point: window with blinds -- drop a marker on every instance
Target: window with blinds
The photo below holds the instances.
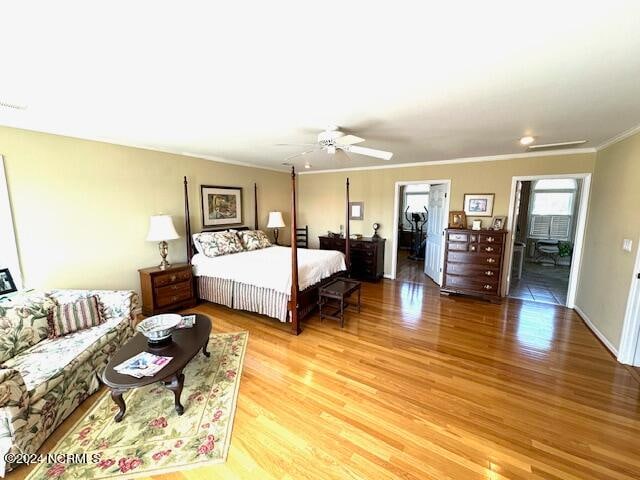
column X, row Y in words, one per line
column 552, row 208
column 557, row 227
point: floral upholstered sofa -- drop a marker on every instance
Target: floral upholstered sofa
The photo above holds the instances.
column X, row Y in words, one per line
column 42, row 379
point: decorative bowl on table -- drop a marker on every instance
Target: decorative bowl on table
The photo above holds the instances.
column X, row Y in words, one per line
column 158, row 328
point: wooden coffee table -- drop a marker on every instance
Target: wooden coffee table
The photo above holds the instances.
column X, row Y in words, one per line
column 187, row 342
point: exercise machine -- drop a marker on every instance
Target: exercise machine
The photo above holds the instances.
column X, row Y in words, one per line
column 418, row 222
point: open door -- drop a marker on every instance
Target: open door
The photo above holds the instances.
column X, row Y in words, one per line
column 434, row 245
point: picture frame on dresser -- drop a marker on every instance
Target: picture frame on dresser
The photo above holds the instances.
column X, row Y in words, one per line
column 220, row 206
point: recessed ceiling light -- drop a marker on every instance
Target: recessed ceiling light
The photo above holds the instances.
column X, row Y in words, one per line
column 527, row 140
column 307, row 165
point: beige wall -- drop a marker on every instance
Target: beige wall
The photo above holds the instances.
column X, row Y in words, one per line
column 321, row 199
column 81, row 208
column 613, row 216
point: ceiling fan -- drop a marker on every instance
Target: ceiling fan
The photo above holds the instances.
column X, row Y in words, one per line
column 332, row 140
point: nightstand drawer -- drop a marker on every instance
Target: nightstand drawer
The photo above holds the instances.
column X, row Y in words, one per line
column 173, row 289
column 169, row 297
column 171, row 277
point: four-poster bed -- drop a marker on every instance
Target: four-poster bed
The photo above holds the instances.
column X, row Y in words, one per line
column 283, row 289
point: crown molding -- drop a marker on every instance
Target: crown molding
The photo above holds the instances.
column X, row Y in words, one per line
column 619, row 137
column 150, row 148
column 491, row 158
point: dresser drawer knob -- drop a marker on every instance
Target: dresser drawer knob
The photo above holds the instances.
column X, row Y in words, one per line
column 490, row 239
column 488, row 287
column 489, row 249
column 173, row 278
column 491, row 260
column 489, row 273
column 473, row 248
column 175, row 298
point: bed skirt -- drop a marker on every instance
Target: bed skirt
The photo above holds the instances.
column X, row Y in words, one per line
column 244, row 297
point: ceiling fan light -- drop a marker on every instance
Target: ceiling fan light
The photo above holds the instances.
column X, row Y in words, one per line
column 307, row 165
column 527, row 140
column 331, row 150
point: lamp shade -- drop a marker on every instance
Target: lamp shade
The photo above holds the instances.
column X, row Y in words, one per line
column 161, row 228
column 275, row 220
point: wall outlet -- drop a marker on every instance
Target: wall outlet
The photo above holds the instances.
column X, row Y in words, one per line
column 627, row 245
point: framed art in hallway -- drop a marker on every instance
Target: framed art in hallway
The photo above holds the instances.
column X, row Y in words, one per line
column 478, row 204
column 220, row 205
column 7, row 285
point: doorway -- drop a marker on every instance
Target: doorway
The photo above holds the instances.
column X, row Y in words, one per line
column 420, row 216
column 547, row 228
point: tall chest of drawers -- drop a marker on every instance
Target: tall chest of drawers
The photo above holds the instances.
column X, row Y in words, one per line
column 474, row 261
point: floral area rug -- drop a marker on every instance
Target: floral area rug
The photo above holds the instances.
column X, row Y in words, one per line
column 152, row 438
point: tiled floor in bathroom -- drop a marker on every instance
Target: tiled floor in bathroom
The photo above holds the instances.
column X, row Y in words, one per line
column 541, row 283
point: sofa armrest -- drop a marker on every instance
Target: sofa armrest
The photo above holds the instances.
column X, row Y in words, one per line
column 114, row 303
column 14, row 401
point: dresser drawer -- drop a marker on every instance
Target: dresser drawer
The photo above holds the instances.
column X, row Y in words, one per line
column 171, row 277
column 487, row 248
column 491, row 238
column 457, row 246
column 467, row 257
column 486, row 286
column 471, row 269
column 165, row 296
column 457, row 237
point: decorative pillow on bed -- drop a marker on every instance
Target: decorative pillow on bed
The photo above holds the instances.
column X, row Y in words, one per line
column 202, row 239
column 254, row 239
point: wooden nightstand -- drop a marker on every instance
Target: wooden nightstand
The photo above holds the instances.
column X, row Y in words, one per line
column 167, row 290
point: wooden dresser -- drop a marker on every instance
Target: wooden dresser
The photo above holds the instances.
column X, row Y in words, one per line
column 367, row 255
column 166, row 290
column 474, row 262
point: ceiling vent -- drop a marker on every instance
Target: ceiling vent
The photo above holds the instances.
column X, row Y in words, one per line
column 13, row 106
column 556, row 146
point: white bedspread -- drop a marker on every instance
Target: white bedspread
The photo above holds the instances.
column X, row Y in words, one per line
column 271, row 267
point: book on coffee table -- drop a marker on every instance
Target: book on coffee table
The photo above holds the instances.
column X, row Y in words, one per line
column 186, row 322
column 144, row 364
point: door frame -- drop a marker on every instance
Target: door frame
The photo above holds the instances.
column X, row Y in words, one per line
column 630, row 335
column 6, row 219
column 396, row 206
column 578, row 241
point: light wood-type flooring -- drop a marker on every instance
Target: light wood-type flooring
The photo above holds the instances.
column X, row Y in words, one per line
column 420, row 386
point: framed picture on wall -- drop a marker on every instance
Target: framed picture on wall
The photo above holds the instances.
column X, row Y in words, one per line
column 220, row 205
column 356, row 210
column 7, row 284
column 478, row 204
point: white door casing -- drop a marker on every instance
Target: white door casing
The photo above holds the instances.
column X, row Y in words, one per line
column 437, row 215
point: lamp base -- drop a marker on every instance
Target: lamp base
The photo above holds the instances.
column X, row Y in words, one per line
column 275, row 235
column 164, row 251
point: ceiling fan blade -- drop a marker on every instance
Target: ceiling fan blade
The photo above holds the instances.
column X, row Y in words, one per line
column 349, row 140
column 371, row 152
column 300, row 154
column 295, row 144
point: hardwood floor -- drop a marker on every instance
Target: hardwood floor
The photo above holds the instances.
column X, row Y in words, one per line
column 410, row 270
column 420, row 386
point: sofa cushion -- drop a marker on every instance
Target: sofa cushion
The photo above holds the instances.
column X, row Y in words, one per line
column 79, row 315
column 43, row 366
column 23, row 323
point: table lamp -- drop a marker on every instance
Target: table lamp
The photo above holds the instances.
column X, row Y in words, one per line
column 161, row 229
column 275, row 222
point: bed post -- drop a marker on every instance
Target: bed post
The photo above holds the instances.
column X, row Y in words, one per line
column 187, row 222
column 347, row 249
column 295, row 288
column 255, row 206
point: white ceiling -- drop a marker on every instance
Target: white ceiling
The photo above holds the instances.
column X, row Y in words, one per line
column 428, row 81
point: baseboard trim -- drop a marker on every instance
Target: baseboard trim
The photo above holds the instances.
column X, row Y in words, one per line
column 605, row 341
